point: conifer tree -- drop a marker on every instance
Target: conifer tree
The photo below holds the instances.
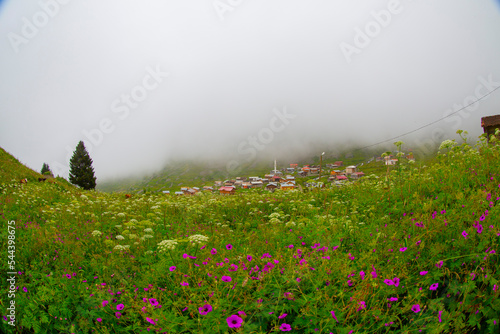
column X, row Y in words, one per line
column 81, row 172
column 45, row 169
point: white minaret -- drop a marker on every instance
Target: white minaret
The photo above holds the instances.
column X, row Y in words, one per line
column 275, row 170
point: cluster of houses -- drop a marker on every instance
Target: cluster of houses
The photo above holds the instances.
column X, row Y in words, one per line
column 271, row 182
column 276, row 179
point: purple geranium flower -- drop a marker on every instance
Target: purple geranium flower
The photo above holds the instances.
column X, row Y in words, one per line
column 285, row 327
column 205, row 309
column 234, row 321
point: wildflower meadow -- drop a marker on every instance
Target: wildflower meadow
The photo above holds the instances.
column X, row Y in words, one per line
column 414, row 252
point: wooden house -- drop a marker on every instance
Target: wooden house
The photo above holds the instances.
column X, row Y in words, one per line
column 287, row 186
column 257, row 184
column 227, row 190
column 271, row 186
column 351, row 169
column 246, row 185
column 490, row 124
column 357, row 175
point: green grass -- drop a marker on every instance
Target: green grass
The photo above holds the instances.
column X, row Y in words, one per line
column 367, row 253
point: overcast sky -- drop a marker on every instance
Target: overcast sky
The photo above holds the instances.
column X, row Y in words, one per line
column 144, row 81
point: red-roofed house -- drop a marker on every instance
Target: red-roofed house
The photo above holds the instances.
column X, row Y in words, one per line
column 227, row 190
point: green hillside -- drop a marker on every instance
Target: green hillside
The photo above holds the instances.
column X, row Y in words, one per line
column 11, row 170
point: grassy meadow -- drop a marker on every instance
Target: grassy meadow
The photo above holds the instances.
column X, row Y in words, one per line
column 415, row 252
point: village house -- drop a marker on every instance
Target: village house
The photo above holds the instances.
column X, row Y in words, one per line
column 391, row 162
column 338, row 163
column 351, row 169
column 357, row 175
column 290, row 170
column 256, row 184
column 166, row 192
column 178, row 193
column 341, row 177
column 275, row 178
column 271, row 186
column 208, row 188
column 490, row 124
column 294, row 165
column 287, row 186
column 227, row 190
column 246, row 185
column 314, row 170
column 218, row 183
column 238, row 183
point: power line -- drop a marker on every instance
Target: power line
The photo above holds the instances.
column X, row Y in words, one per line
column 429, row 124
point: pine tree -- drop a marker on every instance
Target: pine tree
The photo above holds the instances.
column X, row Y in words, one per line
column 81, row 172
column 46, row 169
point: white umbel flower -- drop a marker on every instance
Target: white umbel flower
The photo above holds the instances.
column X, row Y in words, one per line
column 167, row 245
column 198, row 238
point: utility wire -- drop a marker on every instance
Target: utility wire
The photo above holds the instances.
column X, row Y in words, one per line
column 429, row 124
